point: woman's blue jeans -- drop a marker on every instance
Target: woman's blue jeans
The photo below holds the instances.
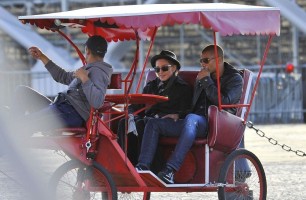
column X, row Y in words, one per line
column 187, row 130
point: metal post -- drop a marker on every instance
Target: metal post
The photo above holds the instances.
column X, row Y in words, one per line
column 303, row 70
column 64, row 5
column 206, row 164
column 295, row 46
column 182, row 55
column 141, row 47
column 295, row 62
column 29, row 8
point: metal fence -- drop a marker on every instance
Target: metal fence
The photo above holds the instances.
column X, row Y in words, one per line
column 279, row 97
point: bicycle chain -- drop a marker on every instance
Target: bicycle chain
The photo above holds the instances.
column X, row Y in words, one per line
column 274, row 141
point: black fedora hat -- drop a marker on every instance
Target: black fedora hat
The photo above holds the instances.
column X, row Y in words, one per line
column 168, row 55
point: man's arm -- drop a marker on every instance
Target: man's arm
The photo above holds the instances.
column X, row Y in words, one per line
column 58, row 74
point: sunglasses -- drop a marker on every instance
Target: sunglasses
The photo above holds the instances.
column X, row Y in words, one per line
column 163, row 68
column 206, row 60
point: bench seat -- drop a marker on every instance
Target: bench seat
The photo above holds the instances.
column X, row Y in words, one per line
column 218, row 136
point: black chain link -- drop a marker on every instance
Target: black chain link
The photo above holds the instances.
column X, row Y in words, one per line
column 273, row 141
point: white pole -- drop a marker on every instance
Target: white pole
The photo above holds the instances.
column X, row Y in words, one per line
column 64, row 5
column 295, row 44
column 141, row 50
column 206, row 164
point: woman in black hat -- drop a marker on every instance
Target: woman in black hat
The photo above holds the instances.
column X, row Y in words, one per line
column 167, row 83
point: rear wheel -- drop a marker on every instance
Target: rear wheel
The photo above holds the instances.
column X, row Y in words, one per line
column 76, row 181
column 248, row 181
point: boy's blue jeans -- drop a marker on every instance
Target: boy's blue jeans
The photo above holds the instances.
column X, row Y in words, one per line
column 32, row 112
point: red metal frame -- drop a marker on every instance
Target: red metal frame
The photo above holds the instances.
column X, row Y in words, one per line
column 96, row 127
column 75, row 146
column 107, row 145
column 146, row 60
column 220, row 105
column 263, row 60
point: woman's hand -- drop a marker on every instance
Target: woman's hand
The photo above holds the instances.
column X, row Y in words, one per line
column 175, row 117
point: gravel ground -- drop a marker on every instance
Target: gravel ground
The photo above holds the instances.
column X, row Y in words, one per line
column 285, row 171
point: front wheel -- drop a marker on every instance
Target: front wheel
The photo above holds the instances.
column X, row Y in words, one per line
column 242, row 177
column 134, row 195
column 76, row 181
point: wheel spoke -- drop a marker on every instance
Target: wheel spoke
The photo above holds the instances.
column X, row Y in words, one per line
column 244, row 177
column 73, row 180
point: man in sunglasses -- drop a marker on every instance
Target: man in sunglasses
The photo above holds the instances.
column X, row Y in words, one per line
column 167, row 83
column 195, row 123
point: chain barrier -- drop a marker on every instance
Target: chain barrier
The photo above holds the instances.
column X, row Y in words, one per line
column 274, row 141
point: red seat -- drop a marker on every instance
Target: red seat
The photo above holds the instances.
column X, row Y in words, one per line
column 116, row 81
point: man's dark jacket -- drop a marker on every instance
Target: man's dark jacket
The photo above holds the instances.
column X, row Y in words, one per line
column 206, row 92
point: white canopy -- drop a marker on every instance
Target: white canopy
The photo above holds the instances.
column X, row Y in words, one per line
column 120, row 22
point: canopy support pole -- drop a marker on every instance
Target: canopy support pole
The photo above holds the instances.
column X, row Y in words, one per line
column 74, row 46
column 146, row 60
column 217, row 71
column 263, row 60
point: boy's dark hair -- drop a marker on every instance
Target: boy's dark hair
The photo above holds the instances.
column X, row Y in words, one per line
column 97, row 45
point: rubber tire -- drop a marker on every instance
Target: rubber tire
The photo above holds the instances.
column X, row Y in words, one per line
column 71, row 165
column 254, row 166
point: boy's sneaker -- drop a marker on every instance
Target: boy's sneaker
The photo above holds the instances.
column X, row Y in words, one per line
column 167, row 175
column 140, row 167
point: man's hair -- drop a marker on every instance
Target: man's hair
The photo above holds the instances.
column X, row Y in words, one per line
column 211, row 48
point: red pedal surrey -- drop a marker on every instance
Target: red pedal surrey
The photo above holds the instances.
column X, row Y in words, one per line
column 99, row 168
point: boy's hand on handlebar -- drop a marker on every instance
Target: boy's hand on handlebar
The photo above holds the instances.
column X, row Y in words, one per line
column 175, row 117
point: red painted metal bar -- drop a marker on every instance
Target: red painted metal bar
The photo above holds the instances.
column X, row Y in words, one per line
column 123, row 114
column 135, row 64
column 217, row 71
column 74, row 46
column 127, row 89
column 90, row 120
column 146, row 60
column 133, row 68
column 258, row 76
